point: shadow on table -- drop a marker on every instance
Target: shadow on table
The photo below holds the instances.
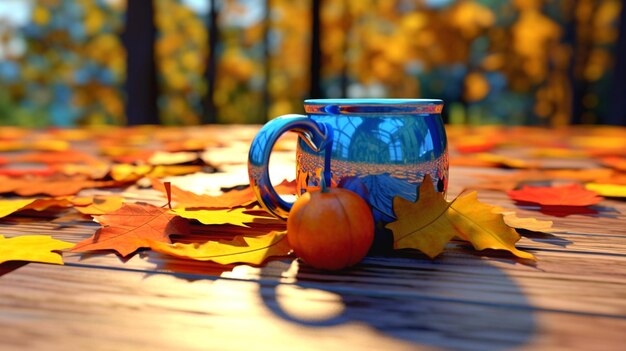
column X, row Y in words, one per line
column 458, row 301
column 8, row 267
column 446, row 303
column 546, row 238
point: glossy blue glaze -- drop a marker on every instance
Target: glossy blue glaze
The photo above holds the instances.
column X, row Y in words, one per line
column 388, row 145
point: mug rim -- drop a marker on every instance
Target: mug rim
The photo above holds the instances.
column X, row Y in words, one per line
column 373, row 101
column 375, row 107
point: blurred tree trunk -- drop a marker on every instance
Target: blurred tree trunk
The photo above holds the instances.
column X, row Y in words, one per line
column 315, row 89
column 577, row 35
column 345, row 47
column 141, row 83
column 267, row 99
column 210, row 110
column 617, row 111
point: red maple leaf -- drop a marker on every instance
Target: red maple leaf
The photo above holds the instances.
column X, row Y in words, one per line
column 130, row 227
column 564, row 195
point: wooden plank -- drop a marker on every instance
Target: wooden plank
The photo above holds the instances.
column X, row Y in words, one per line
column 157, row 311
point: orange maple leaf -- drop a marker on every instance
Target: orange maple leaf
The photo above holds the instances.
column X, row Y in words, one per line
column 615, row 162
column 564, row 195
column 22, row 172
column 133, row 226
column 46, row 203
column 69, row 156
column 615, row 179
column 476, row 143
column 53, row 186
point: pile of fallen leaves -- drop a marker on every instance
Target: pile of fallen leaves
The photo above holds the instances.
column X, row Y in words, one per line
column 73, row 176
column 536, row 155
column 48, row 173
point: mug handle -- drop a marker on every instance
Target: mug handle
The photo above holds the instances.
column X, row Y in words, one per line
column 318, row 136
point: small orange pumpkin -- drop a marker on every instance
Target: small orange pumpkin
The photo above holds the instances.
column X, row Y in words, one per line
column 330, row 229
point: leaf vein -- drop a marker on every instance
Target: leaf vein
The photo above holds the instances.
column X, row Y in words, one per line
column 448, row 205
column 476, row 224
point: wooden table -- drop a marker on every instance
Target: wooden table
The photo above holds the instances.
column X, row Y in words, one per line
column 573, row 298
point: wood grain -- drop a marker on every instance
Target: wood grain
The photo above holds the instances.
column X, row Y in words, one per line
column 573, row 298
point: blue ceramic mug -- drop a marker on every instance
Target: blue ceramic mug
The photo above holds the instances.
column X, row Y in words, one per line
column 379, row 147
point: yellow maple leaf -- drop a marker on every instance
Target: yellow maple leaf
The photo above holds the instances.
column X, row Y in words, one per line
column 32, row 248
column 555, row 152
column 11, row 145
column 608, row 190
column 172, row 158
column 235, row 216
column 505, row 161
column 49, row 145
column 533, row 224
column 7, row 207
column 100, row 205
column 162, row 171
column 242, row 249
column 127, row 172
column 422, row 225
column 477, row 223
column 429, row 223
column 605, row 142
column 40, row 145
column 84, row 200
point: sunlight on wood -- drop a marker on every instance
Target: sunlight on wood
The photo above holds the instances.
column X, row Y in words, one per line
column 303, row 304
column 310, row 305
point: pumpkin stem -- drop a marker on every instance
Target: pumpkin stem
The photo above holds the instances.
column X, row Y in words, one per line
column 323, row 183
